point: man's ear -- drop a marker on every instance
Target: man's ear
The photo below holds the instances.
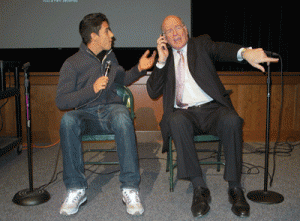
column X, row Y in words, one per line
column 186, row 30
column 94, row 35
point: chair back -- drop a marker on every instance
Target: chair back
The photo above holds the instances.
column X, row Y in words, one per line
column 127, row 98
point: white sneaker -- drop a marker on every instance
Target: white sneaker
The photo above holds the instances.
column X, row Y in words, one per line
column 75, row 198
column 133, row 203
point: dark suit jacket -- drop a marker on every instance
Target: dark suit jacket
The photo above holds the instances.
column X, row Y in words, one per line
column 202, row 53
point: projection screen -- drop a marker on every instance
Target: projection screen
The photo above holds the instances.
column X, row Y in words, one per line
column 54, row 23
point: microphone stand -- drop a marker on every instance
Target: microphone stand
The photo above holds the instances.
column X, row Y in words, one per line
column 29, row 197
column 266, row 196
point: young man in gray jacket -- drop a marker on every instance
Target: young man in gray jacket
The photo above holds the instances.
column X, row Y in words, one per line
column 96, row 108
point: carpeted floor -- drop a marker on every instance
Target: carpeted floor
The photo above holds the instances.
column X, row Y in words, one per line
column 104, row 196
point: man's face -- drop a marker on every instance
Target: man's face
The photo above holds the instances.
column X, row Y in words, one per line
column 104, row 38
column 176, row 33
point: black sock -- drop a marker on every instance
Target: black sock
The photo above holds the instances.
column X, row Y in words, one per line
column 233, row 184
column 198, row 181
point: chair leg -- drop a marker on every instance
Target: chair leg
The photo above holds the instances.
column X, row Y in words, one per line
column 168, row 162
column 219, row 156
column 170, row 153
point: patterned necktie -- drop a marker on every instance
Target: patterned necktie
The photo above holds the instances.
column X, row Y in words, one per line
column 180, row 77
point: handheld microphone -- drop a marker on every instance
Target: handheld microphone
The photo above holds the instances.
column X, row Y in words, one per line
column 108, row 64
column 271, row 54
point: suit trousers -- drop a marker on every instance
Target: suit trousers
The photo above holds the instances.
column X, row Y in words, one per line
column 211, row 118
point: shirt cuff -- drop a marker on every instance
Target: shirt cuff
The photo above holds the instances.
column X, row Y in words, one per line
column 160, row 65
column 239, row 54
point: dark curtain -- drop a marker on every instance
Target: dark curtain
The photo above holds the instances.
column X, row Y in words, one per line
column 273, row 28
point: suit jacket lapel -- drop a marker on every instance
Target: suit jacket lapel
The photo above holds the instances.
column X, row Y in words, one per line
column 197, row 74
column 191, row 56
column 171, row 79
column 171, row 67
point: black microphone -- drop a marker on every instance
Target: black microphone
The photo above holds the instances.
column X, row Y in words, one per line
column 108, row 64
column 271, row 54
column 26, row 66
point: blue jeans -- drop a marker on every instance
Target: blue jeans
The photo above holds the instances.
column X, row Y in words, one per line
column 111, row 118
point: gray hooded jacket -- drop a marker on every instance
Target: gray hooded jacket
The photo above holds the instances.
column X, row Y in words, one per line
column 80, row 71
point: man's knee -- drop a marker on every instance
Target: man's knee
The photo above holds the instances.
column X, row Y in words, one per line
column 70, row 120
column 232, row 121
column 67, row 120
column 178, row 120
column 121, row 117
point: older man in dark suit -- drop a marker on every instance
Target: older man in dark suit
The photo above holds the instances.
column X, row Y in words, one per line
column 195, row 101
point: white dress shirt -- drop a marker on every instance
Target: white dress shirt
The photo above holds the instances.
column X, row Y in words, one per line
column 193, row 95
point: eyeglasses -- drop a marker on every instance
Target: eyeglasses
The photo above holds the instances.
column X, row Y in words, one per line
column 171, row 31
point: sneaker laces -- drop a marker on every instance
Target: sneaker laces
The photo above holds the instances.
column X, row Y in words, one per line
column 131, row 196
column 73, row 196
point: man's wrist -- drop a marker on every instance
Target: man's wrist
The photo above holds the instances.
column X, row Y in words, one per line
column 241, row 52
column 139, row 67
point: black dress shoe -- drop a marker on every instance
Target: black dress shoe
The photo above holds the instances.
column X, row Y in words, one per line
column 201, row 199
column 240, row 207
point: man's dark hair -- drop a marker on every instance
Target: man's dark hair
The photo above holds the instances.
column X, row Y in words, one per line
column 91, row 23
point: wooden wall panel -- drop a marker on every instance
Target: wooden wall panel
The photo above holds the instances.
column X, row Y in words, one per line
column 148, row 112
column 248, row 96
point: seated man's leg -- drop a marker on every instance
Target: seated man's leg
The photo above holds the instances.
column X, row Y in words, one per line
column 122, row 126
column 182, row 131
column 229, row 129
column 73, row 125
column 182, row 126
